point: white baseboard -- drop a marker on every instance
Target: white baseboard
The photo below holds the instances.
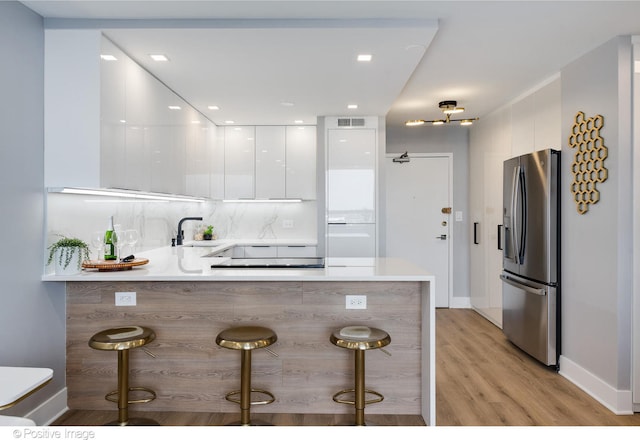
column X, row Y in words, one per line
column 460, row 302
column 50, row 410
column 620, row 402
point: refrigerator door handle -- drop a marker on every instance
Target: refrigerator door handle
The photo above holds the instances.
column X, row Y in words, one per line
column 514, row 217
column 515, row 283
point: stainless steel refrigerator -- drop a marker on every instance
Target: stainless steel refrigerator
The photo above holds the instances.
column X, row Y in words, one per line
column 530, row 245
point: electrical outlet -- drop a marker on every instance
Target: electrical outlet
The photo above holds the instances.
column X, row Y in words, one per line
column 125, row 298
column 356, row 301
column 287, row 224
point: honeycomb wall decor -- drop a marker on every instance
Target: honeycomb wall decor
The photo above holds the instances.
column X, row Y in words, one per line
column 588, row 160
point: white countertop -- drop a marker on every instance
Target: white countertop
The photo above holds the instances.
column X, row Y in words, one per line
column 186, row 263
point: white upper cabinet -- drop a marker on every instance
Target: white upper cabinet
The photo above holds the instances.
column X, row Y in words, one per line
column 270, row 162
column 301, row 162
column 351, row 175
column 239, row 162
column 109, row 124
column 72, row 108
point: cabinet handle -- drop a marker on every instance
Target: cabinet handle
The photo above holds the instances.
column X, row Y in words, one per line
column 500, row 237
column 260, row 246
column 475, row 233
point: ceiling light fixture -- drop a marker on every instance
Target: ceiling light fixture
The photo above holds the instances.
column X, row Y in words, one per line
column 448, row 108
column 213, row 107
column 107, row 57
column 158, row 57
column 352, row 106
column 364, row 57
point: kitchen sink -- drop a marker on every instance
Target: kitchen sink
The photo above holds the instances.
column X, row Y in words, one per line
column 270, row 263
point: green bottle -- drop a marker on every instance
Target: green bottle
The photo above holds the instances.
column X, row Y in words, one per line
column 109, row 248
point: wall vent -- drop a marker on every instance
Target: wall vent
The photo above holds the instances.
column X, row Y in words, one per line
column 350, row 122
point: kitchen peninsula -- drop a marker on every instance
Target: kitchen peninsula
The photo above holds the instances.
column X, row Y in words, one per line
column 187, row 303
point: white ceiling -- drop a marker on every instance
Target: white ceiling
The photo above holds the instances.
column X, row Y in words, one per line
column 249, row 57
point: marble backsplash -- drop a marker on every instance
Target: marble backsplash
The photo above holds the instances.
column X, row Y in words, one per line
column 157, row 221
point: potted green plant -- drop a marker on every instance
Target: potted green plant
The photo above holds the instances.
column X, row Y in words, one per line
column 207, row 234
column 67, row 254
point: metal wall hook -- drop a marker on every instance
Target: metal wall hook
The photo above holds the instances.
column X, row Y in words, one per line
column 404, row 157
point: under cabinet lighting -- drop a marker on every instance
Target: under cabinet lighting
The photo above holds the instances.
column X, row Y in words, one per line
column 262, row 201
column 127, row 194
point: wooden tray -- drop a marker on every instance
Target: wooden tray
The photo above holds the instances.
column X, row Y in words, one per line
column 111, row 265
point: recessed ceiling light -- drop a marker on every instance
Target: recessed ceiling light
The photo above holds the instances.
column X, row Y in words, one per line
column 298, row 121
column 352, row 106
column 213, row 107
column 229, row 122
column 174, row 107
column 123, row 121
column 158, row 57
column 195, row 122
column 364, row 57
column 287, row 104
column 108, row 57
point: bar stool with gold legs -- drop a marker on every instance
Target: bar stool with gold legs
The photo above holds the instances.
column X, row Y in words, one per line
column 122, row 339
column 247, row 339
column 359, row 339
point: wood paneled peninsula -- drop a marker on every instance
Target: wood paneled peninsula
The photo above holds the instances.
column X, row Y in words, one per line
column 187, row 303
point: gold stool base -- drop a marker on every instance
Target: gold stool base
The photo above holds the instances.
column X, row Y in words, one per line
column 230, row 398
column 113, row 395
column 252, row 423
column 136, row 421
column 336, row 397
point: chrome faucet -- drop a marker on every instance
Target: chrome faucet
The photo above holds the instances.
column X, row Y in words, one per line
column 181, row 232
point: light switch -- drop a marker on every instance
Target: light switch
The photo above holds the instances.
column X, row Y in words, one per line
column 458, row 216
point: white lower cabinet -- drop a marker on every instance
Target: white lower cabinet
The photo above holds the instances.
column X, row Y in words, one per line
column 260, row 252
column 351, row 240
column 296, row 251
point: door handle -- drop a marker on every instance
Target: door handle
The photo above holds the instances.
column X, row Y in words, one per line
column 442, row 237
column 475, row 233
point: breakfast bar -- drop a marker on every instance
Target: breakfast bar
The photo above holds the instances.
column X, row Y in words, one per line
column 187, row 298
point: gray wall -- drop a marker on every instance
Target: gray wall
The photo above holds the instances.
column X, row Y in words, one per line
column 444, row 139
column 596, row 246
column 32, row 313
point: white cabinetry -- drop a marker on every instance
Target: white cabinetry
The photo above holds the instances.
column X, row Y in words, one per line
column 239, row 162
column 270, row 162
column 351, row 192
column 491, row 145
column 268, row 251
column 531, row 124
column 294, row 251
column 301, row 162
column 109, row 124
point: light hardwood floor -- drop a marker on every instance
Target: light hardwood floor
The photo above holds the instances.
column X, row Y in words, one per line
column 481, row 380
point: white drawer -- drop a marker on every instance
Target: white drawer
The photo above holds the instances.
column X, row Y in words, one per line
column 260, row 252
column 296, row 251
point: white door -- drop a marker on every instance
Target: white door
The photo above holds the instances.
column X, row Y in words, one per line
column 418, row 216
